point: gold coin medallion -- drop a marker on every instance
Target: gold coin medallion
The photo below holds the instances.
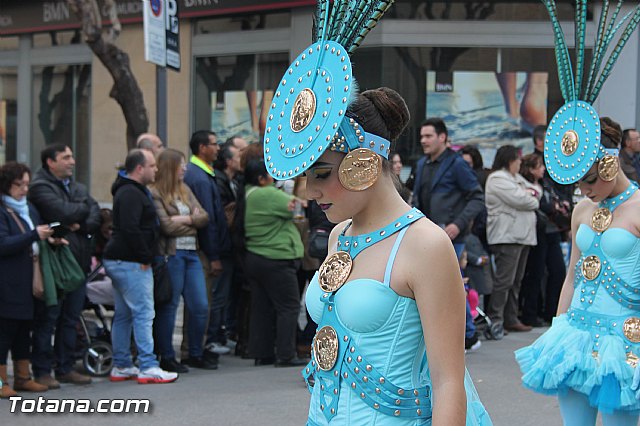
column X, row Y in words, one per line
column 608, row 167
column 360, row 169
column 631, row 329
column 591, row 267
column 569, row 143
column 304, row 108
column 601, row 219
column 632, row 359
column 325, row 347
column 334, row 271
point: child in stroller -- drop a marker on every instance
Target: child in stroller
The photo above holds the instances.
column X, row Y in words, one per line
column 95, row 320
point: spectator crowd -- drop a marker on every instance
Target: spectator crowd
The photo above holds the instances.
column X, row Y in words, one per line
column 213, row 229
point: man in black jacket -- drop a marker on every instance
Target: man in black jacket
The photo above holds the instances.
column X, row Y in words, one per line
column 127, row 260
column 59, row 198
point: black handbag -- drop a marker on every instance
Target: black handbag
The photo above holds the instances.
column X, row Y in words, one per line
column 318, row 243
column 162, row 287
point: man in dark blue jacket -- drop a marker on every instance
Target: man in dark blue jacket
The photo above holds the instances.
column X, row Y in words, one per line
column 447, row 191
column 214, row 239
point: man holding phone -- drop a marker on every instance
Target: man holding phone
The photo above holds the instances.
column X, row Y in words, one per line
column 59, row 199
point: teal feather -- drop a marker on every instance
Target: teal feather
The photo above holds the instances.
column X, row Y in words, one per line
column 357, row 15
column 348, row 22
column 595, row 58
column 339, row 17
column 562, row 54
column 321, row 12
column 581, row 22
column 377, row 14
column 602, row 49
column 631, row 27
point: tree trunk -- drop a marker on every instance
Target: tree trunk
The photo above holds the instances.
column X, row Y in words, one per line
column 125, row 88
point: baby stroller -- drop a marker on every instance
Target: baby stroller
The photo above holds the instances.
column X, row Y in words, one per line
column 480, row 319
column 97, row 356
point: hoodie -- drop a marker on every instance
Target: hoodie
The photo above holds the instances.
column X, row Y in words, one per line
column 135, row 223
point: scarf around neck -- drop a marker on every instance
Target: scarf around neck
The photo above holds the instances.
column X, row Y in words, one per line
column 21, row 207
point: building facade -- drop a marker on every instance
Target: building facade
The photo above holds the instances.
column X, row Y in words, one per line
column 487, row 67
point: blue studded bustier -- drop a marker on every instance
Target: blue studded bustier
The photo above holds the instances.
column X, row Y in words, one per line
column 378, row 334
column 606, row 300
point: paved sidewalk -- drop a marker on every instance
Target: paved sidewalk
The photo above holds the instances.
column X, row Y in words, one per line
column 241, row 394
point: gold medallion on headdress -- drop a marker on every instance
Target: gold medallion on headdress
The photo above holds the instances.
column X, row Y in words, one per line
column 325, row 347
column 591, row 267
column 608, row 167
column 360, row 169
column 334, row 271
column 304, row 108
column 601, row 219
column 569, row 143
column 631, row 329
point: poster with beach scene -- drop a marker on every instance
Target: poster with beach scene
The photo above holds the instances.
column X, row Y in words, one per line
column 488, row 109
column 241, row 113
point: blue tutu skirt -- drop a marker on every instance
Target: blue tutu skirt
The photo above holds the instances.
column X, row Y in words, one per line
column 563, row 358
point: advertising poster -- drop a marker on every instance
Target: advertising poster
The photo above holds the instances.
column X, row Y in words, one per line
column 240, row 112
column 488, row 109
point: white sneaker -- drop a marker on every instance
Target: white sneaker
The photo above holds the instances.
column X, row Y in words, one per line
column 122, row 374
column 156, row 375
column 217, row 348
column 474, row 347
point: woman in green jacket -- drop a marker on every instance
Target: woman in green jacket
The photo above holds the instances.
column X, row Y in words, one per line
column 273, row 252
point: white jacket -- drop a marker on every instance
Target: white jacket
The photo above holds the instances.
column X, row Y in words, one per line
column 511, row 203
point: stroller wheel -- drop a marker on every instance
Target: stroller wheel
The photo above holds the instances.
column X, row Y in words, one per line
column 487, row 333
column 98, row 359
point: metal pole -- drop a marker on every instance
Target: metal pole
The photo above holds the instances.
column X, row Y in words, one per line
column 161, row 103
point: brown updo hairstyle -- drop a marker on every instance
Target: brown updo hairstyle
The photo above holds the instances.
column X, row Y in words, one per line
column 383, row 112
column 610, row 132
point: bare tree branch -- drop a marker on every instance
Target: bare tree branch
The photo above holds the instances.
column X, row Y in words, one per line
column 125, row 89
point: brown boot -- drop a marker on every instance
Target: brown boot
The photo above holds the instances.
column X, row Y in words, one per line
column 48, row 381
column 6, row 391
column 22, row 377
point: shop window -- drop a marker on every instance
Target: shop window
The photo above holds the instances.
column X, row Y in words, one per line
column 61, row 113
column 495, row 10
column 9, row 43
column 8, row 114
column 233, row 93
column 56, row 38
column 250, row 22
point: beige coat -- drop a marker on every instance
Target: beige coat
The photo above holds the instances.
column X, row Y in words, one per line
column 511, row 206
column 169, row 230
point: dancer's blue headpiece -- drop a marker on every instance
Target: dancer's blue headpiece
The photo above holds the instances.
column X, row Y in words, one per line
column 309, row 107
column 572, row 143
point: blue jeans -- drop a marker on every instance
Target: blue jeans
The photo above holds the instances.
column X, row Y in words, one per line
column 133, row 295
column 187, row 280
column 220, row 291
column 62, row 318
column 470, row 327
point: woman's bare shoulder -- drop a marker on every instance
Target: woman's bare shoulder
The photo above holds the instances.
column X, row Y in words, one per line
column 425, row 236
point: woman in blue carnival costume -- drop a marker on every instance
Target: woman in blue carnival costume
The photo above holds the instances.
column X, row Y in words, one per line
column 379, row 319
column 589, row 356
